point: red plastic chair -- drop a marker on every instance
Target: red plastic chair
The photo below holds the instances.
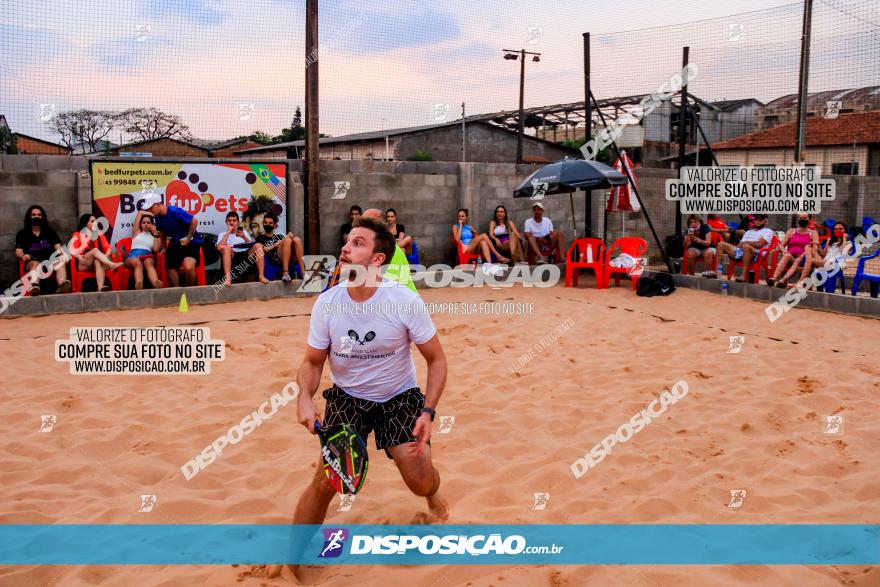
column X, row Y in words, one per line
column 714, row 239
column 631, row 245
column 21, row 273
column 762, row 261
column 465, row 258
column 573, row 268
column 200, row 270
column 77, row 277
column 123, row 274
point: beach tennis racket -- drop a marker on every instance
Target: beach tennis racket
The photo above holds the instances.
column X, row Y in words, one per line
column 345, row 457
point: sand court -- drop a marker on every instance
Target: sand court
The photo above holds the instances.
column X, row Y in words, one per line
column 754, row 421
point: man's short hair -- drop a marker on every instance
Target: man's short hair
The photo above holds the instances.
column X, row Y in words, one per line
column 353, row 208
column 232, row 215
column 271, row 215
column 391, row 210
column 383, row 240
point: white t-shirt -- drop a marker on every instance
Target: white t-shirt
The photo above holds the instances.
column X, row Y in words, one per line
column 753, row 236
column 233, row 240
column 538, row 230
column 369, row 343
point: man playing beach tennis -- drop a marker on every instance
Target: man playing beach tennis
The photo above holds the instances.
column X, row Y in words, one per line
column 366, row 330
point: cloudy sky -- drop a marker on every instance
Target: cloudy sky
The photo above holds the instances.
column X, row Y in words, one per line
column 386, row 64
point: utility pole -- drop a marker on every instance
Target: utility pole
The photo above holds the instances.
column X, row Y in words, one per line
column 384, row 123
column 682, row 134
column 513, row 55
column 312, row 222
column 800, row 152
column 463, row 136
column 588, row 131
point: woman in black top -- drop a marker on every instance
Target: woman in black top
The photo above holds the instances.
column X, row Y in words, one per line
column 35, row 244
column 403, row 240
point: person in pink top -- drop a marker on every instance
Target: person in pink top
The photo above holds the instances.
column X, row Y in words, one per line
column 794, row 248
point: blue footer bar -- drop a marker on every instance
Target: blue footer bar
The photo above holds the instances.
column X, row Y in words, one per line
column 634, row 544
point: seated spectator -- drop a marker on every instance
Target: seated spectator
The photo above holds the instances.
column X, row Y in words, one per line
column 397, row 269
column 278, row 249
column 353, row 214
column 35, row 243
column 717, row 225
column 403, row 240
column 179, row 237
column 745, row 223
column 836, row 248
column 234, row 244
column 93, row 255
column 505, row 236
column 144, row 246
column 540, row 237
column 698, row 246
column 748, row 247
column 794, row 248
column 464, row 234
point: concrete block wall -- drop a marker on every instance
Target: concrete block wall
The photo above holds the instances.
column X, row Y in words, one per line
column 48, row 180
column 426, row 196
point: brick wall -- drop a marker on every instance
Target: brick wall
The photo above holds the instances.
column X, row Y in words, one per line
column 231, row 150
column 28, row 146
column 164, row 148
column 483, row 144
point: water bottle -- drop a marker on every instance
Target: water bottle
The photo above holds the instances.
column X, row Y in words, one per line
column 724, row 288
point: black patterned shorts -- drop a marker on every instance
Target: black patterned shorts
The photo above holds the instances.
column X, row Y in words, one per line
column 392, row 421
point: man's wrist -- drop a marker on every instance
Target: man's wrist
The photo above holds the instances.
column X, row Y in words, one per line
column 429, row 411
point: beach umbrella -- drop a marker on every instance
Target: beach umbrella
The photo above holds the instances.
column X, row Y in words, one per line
column 568, row 175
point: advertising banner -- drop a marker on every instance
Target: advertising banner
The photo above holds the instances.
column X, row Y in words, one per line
column 206, row 190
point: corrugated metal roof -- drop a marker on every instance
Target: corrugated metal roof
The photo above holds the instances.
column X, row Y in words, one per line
column 817, row 100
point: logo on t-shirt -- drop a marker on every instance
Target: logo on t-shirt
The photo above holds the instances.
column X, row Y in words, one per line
column 356, row 337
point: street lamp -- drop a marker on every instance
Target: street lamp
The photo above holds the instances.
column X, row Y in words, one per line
column 513, row 55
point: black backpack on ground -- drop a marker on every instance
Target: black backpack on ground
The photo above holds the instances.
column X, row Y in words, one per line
column 659, row 285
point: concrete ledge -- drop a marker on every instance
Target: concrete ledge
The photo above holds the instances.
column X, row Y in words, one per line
column 149, row 298
column 841, row 303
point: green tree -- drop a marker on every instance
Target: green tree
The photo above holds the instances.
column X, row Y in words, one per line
column 420, row 155
column 606, row 155
column 262, row 138
column 8, row 141
column 296, row 131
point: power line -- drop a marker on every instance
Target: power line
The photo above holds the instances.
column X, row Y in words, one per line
column 841, row 10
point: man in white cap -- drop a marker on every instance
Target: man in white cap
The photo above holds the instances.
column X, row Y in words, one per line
column 540, row 236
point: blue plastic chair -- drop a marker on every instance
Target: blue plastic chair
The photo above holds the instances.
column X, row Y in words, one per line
column 873, row 280
column 831, row 284
column 414, row 258
column 272, row 270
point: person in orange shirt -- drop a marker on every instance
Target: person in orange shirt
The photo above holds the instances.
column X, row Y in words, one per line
column 94, row 253
column 716, row 224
